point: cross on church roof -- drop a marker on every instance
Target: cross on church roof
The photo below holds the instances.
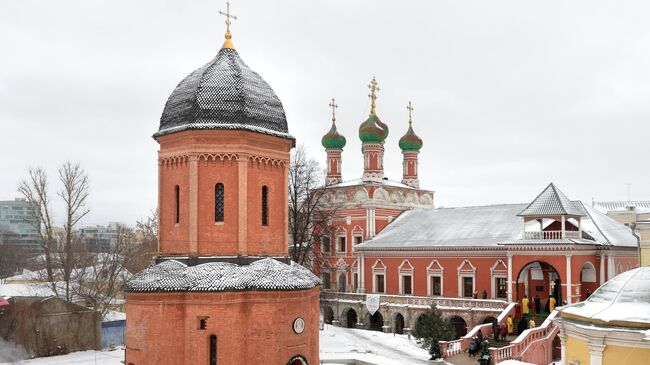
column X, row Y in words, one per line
column 333, row 105
column 410, row 109
column 373, row 95
column 228, row 42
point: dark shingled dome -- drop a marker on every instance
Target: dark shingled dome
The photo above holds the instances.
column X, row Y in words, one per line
column 224, row 94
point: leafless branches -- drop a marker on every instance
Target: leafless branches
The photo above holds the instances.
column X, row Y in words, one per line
column 306, row 202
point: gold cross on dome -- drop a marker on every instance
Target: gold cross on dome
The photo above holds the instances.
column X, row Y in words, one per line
column 373, row 95
column 410, row 109
column 333, row 105
column 228, row 16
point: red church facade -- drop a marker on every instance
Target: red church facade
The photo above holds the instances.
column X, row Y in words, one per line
column 223, row 290
column 386, row 237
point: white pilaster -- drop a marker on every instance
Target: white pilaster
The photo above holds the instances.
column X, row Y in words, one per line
column 610, row 266
column 569, row 287
column 509, row 277
column 602, row 269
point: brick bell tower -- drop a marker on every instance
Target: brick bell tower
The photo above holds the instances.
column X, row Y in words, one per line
column 373, row 133
column 410, row 144
column 333, row 142
column 223, row 290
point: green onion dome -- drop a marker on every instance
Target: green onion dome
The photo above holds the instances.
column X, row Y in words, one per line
column 333, row 140
column 410, row 141
column 373, row 130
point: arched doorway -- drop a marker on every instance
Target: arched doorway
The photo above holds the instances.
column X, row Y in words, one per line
column 342, row 282
column 557, row 348
column 351, row 318
column 328, row 315
column 399, row 324
column 460, row 325
column 588, row 280
column 488, row 319
column 375, row 321
column 539, row 280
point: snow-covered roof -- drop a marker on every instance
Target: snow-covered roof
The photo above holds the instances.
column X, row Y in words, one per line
column 618, row 205
column 27, row 290
column 550, row 202
column 622, row 301
column 488, row 225
column 264, row 274
column 112, row 316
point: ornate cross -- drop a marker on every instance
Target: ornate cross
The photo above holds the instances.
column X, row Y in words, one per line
column 228, row 16
column 373, row 95
column 410, row 109
column 333, row 105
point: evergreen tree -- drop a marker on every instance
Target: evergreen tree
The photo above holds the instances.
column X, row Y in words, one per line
column 431, row 328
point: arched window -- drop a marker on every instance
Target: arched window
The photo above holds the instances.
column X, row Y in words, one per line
column 213, row 350
column 177, row 194
column 265, row 205
column 218, row 203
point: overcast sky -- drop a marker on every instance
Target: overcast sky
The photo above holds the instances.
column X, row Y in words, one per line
column 508, row 95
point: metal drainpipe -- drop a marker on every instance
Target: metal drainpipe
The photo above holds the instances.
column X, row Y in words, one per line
column 638, row 240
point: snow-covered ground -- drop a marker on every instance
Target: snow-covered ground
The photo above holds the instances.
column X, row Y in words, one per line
column 336, row 343
column 77, row 358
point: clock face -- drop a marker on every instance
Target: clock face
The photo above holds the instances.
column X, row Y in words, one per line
column 298, row 325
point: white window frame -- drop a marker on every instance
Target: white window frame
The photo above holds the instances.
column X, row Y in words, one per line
column 340, row 233
column 378, row 271
column 405, row 270
column 496, row 272
column 432, row 271
column 466, row 273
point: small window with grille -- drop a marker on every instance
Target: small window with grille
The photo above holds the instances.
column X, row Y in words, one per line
column 218, row 203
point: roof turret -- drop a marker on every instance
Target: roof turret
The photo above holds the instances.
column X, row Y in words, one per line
column 332, row 140
column 410, row 141
column 373, row 130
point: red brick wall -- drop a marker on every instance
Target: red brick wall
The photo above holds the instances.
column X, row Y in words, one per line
column 251, row 327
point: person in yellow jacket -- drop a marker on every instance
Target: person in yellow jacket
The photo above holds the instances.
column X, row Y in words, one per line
column 524, row 306
column 551, row 304
column 531, row 323
column 510, row 329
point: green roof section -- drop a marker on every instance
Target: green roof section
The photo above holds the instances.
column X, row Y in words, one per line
column 333, row 140
column 373, row 130
column 410, row 141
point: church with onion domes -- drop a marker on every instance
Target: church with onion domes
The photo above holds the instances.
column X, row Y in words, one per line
column 223, row 289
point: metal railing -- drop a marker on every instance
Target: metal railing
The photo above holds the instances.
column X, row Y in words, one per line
column 550, row 235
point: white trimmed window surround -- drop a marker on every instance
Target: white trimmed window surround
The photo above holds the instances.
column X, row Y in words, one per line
column 498, row 270
column 466, row 270
column 378, row 269
column 435, row 270
column 406, row 278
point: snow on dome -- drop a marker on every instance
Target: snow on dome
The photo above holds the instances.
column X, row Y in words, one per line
column 224, row 94
column 622, row 301
column 265, row 274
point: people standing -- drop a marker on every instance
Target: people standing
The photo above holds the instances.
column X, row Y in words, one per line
column 475, row 294
column 503, row 331
column 538, row 304
column 551, row 305
column 484, row 294
column 524, row 306
column 495, row 329
column 531, row 323
column 510, row 329
column 522, row 325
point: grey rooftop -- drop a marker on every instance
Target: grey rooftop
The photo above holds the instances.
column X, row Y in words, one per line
column 550, row 202
column 224, row 94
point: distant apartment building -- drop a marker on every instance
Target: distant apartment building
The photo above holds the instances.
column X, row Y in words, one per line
column 99, row 238
column 19, row 225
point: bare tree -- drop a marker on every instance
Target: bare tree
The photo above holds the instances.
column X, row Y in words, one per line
column 74, row 194
column 59, row 255
column 35, row 189
column 98, row 278
column 308, row 216
column 147, row 235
